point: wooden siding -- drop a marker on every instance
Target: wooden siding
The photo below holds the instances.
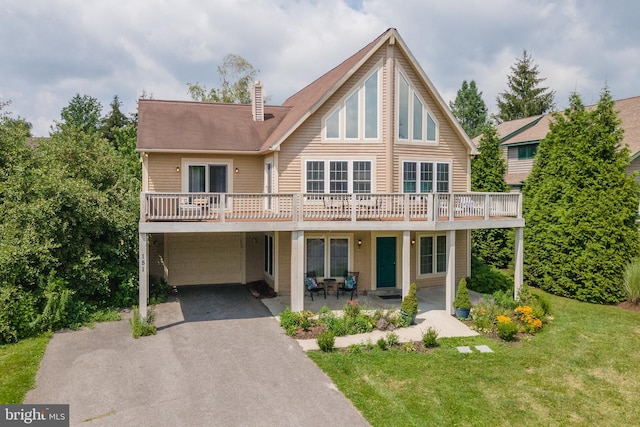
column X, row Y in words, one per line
column 284, row 263
column 517, row 166
column 307, row 140
column 163, row 177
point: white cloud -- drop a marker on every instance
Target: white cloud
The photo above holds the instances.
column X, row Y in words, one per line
column 104, row 48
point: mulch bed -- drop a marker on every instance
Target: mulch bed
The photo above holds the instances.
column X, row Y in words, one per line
column 629, row 306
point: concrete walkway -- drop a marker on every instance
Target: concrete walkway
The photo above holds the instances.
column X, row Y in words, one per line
column 431, row 313
column 219, row 359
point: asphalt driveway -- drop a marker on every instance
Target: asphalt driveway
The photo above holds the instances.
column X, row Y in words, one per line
column 219, row 359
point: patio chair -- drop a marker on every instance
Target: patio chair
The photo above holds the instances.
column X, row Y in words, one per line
column 312, row 286
column 350, row 284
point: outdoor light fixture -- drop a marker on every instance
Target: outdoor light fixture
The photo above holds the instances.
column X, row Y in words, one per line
column 237, row 170
column 413, row 242
column 359, row 242
column 177, row 168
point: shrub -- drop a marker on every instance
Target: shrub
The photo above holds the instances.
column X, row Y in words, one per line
column 632, row 282
column 410, row 347
column 326, row 341
column 142, row 327
column 351, row 309
column 393, row 339
column 17, row 313
column 430, row 338
column 382, row 344
column 507, row 329
column 289, row 321
column 484, row 314
column 410, row 301
column 504, row 299
column 57, row 305
column 487, row 279
column 462, row 296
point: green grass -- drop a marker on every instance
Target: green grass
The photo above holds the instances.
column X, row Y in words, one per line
column 19, row 364
column 580, row 370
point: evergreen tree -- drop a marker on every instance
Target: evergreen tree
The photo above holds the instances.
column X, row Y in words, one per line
column 469, row 109
column 115, row 119
column 491, row 246
column 524, row 97
column 581, row 207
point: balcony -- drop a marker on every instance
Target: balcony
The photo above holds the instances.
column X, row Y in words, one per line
column 334, row 211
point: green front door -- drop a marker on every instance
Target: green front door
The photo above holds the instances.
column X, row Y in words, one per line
column 386, row 262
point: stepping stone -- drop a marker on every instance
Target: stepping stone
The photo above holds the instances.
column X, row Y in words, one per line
column 465, row 349
column 484, row 349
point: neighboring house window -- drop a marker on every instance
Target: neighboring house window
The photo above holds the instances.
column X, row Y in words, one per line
column 432, row 254
column 414, row 116
column 327, row 256
column 357, row 116
column 208, row 178
column 526, row 152
column 338, row 176
column 268, row 254
column 418, row 177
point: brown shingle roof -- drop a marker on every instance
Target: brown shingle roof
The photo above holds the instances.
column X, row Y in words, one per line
column 200, row 126
column 628, row 111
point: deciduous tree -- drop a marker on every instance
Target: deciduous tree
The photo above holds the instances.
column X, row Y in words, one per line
column 236, row 74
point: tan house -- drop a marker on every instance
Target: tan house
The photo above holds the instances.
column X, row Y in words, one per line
column 520, row 140
column 365, row 170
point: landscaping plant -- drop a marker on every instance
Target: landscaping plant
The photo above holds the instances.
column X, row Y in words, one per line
column 632, row 281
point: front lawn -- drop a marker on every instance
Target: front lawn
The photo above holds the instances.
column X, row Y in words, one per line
column 582, row 369
column 19, row 364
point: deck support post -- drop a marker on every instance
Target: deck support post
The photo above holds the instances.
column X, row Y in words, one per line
column 450, row 280
column 518, row 277
column 297, row 274
column 406, row 262
column 143, row 275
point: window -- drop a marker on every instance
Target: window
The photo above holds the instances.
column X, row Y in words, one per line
column 268, row 254
column 412, row 114
column 357, row 116
column 209, row 178
column 432, row 254
column 338, row 176
column 526, row 152
column 327, row 256
column 423, row 182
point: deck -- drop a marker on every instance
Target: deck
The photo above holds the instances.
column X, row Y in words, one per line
column 332, row 211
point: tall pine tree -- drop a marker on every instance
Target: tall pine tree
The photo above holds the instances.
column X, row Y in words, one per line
column 469, row 109
column 491, row 246
column 581, row 207
column 524, row 97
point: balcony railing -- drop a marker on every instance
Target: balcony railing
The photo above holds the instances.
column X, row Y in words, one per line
column 238, row 207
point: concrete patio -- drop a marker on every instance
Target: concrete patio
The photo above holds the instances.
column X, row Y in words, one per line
column 431, row 313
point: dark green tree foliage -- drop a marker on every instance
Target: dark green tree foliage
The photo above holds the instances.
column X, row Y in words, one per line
column 68, row 236
column 469, row 109
column 237, row 76
column 114, row 120
column 490, row 246
column 581, row 207
column 524, row 97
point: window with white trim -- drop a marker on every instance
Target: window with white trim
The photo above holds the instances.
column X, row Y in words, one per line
column 357, row 117
column 268, row 254
column 432, row 254
column 415, row 121
column 327, row 256
column 338, row 176
column 418, row 177
column 207, row 178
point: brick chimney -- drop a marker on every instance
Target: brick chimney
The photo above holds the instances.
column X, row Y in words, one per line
column 257, row 102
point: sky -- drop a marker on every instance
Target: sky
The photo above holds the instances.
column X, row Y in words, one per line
column 52, row 50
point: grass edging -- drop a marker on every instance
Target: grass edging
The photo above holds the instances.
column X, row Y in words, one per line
column 19, row 363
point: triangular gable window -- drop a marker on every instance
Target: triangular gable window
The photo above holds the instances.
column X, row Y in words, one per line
column 415, row 121
column 357, row 117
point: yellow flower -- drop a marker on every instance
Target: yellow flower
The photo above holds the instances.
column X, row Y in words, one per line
column 503, row 319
